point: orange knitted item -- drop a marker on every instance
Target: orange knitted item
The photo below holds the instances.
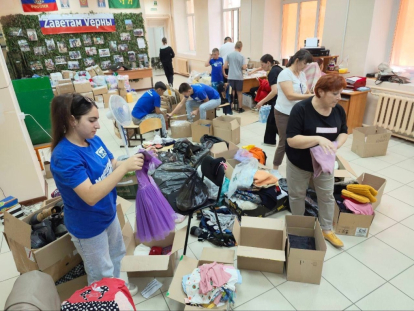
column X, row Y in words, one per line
column 264, row 178
column 258, row 154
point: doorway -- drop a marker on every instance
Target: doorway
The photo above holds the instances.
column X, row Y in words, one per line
column 155, row 35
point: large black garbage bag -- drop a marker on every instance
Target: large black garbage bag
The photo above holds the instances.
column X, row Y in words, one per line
column 192, row 194
column 205, row 139
column 189, row 153
column 170, row 177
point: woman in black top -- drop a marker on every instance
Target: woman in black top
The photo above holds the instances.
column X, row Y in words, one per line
column 271, row 65
column 166, row 56
column 318, row 120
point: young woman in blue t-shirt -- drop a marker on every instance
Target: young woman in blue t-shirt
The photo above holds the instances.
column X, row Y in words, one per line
column 86, row 174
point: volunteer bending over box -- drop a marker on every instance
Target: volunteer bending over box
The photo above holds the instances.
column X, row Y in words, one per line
column 198, row 95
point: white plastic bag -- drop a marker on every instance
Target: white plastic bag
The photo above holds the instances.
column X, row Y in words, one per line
column 243, row 175
column 264, row 113
column 212, row 188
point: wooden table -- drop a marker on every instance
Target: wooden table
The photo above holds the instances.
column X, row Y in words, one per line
column 135, row 74
column 354, row 106
column 250, row 82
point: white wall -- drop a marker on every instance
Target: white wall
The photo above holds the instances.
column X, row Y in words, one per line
column 272, row 28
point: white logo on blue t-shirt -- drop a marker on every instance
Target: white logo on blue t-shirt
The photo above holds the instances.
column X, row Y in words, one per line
column 106, row 172
column 101, row 152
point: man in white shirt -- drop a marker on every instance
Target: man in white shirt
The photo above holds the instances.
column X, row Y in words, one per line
column 226, row 49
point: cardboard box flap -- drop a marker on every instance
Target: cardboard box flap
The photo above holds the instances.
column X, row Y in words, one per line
column 185, row 266
column 120, row 215
column 344, row 163
column 306, row 254
column 54, row 252
column 129, row 239
column 179, row 240
column 17, row 230
column 219, row 147
column 133, row 263
column 125, row 204
column 261, row 253
column 227, row 122
column 263, row 223
column 225, row 256
column 236, row 230
column 300, row 222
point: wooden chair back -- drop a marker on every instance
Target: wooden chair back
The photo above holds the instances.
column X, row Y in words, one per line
column 149, row 125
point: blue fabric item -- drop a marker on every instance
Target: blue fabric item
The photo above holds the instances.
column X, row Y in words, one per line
column 216, row 69
column 71, row 165
column 185, row 277
column 202, row 91
column 146, row 104
column 224, row 189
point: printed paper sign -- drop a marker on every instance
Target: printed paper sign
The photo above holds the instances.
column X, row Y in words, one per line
column 76, row 23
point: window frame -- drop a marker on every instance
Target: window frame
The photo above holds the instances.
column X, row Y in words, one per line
column 192, row 15
column 223, row 10
column 315, row 32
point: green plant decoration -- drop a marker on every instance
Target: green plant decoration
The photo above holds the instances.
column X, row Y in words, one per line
column 23, row 59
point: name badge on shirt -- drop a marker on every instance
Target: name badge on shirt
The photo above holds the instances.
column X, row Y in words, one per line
column 326, row 130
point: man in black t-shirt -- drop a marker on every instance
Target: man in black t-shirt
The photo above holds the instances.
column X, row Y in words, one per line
column 318, row 120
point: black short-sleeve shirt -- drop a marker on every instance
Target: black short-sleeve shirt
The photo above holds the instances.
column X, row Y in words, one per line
column 272, row 78
column 305, row 120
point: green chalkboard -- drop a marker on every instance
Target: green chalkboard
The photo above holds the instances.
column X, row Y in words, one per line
column 34, row 96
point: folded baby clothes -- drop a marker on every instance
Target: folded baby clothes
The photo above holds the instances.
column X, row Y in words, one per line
column 356, row 197
column 322, row 162
column 262, row 178
column 142, row 250
column 365, row 190
column 359, row 209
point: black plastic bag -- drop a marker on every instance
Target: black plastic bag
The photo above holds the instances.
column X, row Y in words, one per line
column 189, row 153
column 192, row 194
column 208, row 138
column 170, row 177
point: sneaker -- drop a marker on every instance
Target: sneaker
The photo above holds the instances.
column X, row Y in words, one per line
column 332, row 238
column 133, row 289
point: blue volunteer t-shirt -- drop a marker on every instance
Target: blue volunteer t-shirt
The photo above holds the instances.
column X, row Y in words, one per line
column 71, row 165
column 202, row 91
column 216, row 69
column 146, row 104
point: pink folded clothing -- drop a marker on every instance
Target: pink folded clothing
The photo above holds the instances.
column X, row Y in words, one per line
column 359, row 208
column 322, row 162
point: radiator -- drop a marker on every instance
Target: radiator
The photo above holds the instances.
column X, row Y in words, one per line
column 396, row 114
column 181, row 67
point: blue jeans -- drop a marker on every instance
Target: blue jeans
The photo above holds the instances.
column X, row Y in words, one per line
column 211, row 104
column 103, row 253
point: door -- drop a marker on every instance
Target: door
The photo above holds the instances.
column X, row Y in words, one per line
column 155, row 35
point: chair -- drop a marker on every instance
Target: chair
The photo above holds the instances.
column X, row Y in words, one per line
column 217, row 178
column 145, row 126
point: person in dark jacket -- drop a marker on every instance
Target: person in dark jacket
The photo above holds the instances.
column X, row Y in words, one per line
column 166, row 56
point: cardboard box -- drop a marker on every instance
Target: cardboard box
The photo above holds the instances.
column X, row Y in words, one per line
column 187, row 266
column 359, row 225
column 220, row 150
column 98, row 70
column 100, row 90
column 344, row 169
column 123, row 92
column 180, row 129
column 107, row 96
column 127, row 188
column 227, row 128
column 48, row 173
column 200, row 128
column 121, row 84
column 99, row 98
column 370, row 141
column 68, row 74
column 56, row 258
column 303, row 265
column 64, row 81
column 154, row 266
column 91, row 71
column 65, row 88
column 89, row 95
column 210, row 115
column 83, row 86
column 261, row 244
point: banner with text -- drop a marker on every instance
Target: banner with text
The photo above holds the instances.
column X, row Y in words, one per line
column 39, row 5
column 124, row 4
column 52, row 24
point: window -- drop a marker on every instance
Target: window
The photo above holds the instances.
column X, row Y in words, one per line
column 301, row 19
column 231, row 19
column 403, row 47
column 190, row 24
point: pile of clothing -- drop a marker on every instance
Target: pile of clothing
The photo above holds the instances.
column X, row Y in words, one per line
column 356, row 199
column 252, row 152
column 143, row 250
column 252, row 186
column 211, row 285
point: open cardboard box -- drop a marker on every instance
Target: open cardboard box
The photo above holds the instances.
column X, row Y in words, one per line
column 187, row 266
column 304, row 265
column 220, row 150
column 200, row 128
column 56, row 258
column 151, row 266
column 358, row 225
column 261, row 244
column 344, row 169
column 370, row 141
column 227, row 128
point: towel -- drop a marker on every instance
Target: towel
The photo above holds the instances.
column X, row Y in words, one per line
column 359, row 209
column 264, row 178
column 365, row 190
column 322, row 162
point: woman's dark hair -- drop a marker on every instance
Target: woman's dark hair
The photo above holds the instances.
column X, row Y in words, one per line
column 301, row 55
column 164, row 40
column 62, row 108
column 269, row 58
column 329, row 83
column 184, row 87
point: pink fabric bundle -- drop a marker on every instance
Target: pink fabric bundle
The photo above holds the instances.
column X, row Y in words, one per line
column 212, row 275
column 359, row 208
column 322, row 162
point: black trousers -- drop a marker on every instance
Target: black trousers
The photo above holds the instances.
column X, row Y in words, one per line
column 169, row 72
column 253, row 91
column 271, row 129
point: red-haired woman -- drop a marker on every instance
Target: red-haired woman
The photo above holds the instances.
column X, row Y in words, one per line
column 318, row 120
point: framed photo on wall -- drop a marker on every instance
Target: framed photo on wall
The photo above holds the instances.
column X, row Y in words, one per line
column 101, row 4
column 64, row 4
